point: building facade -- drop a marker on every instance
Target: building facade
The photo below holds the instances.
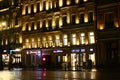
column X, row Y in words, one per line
column 108, row 30
column 10, row 31
column 65, row 34
column 58, row 32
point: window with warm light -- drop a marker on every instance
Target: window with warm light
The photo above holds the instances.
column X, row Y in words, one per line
column 33, row 43
column 44, row 42
column 50, row 42
column 27, row 43
column 65, row 37
column 38, row 43
column 91, row 38
column 82, row 38
column 57, row 37
column 74, row 39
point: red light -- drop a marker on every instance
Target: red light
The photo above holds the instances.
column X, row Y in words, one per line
column 44, row 59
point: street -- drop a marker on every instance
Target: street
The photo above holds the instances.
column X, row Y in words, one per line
column 59, row 75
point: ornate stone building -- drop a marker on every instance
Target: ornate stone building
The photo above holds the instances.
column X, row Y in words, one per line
column 58, row 32
column 10, row 31
column 61, row 33
column 108, row 32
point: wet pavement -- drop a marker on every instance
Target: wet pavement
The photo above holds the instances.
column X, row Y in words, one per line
column 18, row 74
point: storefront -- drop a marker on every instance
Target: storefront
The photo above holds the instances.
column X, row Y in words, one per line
column 75, row 59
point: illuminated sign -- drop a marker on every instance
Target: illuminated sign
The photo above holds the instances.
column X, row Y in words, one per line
column 57, row 51
column 75, row 50
column 82, row 50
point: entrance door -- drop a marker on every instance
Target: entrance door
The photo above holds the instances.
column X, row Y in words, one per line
column 73, row 61
column 112, row 54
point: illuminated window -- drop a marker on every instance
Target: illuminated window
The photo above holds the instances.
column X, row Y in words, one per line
column 17, row 38
column 82, row 38
column 33, row 43
column 74, row 39
column 50, row 5
column 91, row 37
column 44, row 42
column 50, row 42
column 38, row 43
column 57, row 37
column 65, row 40
column 27, row 43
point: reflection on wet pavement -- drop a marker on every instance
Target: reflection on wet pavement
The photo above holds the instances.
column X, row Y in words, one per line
column 58, row 75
